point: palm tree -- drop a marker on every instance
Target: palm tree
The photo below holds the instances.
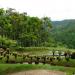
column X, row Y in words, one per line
column 7, row 58
column 69, row 53
column 67, row 59
column 58, row 58
column 53, row 51
column 15, row 55
column 30, row 60
column 24, row 58
column 65, row 54
column 37, row 60
column 59, row 52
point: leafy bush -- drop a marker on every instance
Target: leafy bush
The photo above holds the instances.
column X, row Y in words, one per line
column 7, row 42
column 73, row 55
column 18, row 48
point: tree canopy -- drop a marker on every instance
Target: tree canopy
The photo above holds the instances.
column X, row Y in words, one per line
column 27, row 31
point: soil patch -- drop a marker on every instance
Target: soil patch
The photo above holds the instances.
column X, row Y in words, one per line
column 39, row 72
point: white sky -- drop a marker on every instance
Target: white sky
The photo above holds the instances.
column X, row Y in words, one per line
column 56, row 9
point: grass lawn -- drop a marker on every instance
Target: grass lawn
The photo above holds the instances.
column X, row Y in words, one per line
column 10, row 68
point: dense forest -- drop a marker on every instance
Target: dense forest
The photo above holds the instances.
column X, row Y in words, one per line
column 20, row 29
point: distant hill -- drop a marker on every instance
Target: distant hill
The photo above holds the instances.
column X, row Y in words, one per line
column 68, row 25
column 64, row 32
column 63, row 22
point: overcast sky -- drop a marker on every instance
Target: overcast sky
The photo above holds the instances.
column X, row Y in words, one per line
column 56, row 9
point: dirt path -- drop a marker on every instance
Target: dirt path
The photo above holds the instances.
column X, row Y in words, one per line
column 39, row 72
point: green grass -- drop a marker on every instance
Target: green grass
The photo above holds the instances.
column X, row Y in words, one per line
column 41, row 50
column 10, row 68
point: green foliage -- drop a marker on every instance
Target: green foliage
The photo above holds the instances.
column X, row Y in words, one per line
column 73, row 55
column 7, row 42
column 9, row 68
column 63, row 32
column 27, row 31
column 35, row 32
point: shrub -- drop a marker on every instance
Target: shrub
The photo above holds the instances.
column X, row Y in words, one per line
column 58, row 58
column 12, row 61
column 65, row 54
column 7, row 58
column 6, row 43
column 19, row 49
column 67, row 59
column 15, row 54
column 51, row 59
column 73, row 55
column 1, row 57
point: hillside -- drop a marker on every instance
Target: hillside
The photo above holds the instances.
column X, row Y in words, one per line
column 64, row 32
